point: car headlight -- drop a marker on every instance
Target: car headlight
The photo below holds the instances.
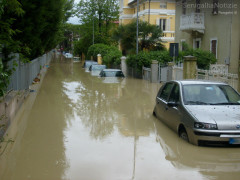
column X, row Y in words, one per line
column 200, row 125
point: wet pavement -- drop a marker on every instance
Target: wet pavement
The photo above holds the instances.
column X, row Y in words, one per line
column 83, row 127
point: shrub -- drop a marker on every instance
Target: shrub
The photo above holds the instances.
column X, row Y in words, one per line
column 145, row 59
column 96, row 49
column 204, row 58
column 4, row 79
column 113, row 56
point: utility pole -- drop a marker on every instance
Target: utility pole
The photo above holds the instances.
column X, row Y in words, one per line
column 93, row 19
column 137, row 28
column 149, row 11
column 93, row 29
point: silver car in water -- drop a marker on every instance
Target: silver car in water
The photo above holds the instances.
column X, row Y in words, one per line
column 201, row 112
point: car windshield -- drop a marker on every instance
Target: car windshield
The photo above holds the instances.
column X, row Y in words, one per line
column 210, row 94
column 98, row 67
column 113, row 74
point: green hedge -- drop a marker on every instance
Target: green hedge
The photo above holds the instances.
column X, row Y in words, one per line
column 96, row 49
column 145, row 59
column 204, row 58
column 111, row 55
column 4, row 79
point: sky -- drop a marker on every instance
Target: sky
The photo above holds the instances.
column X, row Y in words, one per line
column 74, row 20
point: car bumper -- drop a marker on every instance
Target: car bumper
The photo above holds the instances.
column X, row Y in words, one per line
column 214, row 137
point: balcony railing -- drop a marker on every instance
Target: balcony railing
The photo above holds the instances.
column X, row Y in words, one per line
column 192, row 22
column 129, row 1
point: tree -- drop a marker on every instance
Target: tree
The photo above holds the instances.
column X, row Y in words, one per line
column 71, row 33
column 103, row 12
column 30, row 29
column 98, row 16
column 9, row 11
column 40, row 25
column 149, row 36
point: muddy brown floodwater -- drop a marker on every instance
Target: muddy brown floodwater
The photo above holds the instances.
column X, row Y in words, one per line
column 81, row 127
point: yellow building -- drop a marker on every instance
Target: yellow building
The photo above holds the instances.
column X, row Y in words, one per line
column 158, row 12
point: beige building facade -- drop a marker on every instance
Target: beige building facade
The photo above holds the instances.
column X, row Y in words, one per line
column 212, row 25
column 158, row 12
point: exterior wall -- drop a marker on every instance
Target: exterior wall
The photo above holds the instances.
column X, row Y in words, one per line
column 224, row 28
column 129, row 12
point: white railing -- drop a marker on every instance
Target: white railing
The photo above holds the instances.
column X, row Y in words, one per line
column 192, row 22
column 228, row 78
column 129, row 1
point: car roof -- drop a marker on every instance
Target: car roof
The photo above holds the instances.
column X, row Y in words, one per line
column 98, row 65
column 111, row 69
column 187, row 82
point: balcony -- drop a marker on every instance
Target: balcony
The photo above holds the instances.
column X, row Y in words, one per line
column 192, row 22
column 131, row 2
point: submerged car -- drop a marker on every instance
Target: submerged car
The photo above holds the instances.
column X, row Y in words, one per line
column 88, row 63
column 111, row 73
column 95, row 69
column 111, row 76
column 68, row 55
column 201, row 112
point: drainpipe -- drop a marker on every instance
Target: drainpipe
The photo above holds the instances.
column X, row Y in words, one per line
column 230, row 47
column 149, row 11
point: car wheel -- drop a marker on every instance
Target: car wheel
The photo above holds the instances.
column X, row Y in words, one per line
column 183, row 134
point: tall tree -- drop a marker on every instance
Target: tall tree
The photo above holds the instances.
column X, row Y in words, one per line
column 103, row 13
column 149, row 36
column 97, row 17
column 10, row 10
column 40, row 25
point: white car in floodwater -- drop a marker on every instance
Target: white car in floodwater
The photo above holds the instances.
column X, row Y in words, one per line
column 95, row 69
column 68, row 55
column 201, row 112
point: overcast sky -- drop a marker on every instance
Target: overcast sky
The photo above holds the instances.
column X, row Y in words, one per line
column 74, row 20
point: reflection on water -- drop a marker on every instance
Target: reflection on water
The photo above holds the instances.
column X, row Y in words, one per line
column 216, row 163
column 82, row 128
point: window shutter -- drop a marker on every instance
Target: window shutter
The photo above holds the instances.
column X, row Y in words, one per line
column 157, row 22
column 168, row 24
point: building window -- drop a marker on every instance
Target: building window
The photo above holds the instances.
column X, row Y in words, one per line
column 215, row 7
column 184, row 4
column 143, row 6
column 197, row 43
column 213, row 46
column 163, row 5
column 197, row 6
column 162, row 24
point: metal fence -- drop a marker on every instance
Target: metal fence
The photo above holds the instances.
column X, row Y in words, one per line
column 163, row 73
column 24, row 73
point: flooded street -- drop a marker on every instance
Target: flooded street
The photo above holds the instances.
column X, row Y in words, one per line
column 81, row 127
